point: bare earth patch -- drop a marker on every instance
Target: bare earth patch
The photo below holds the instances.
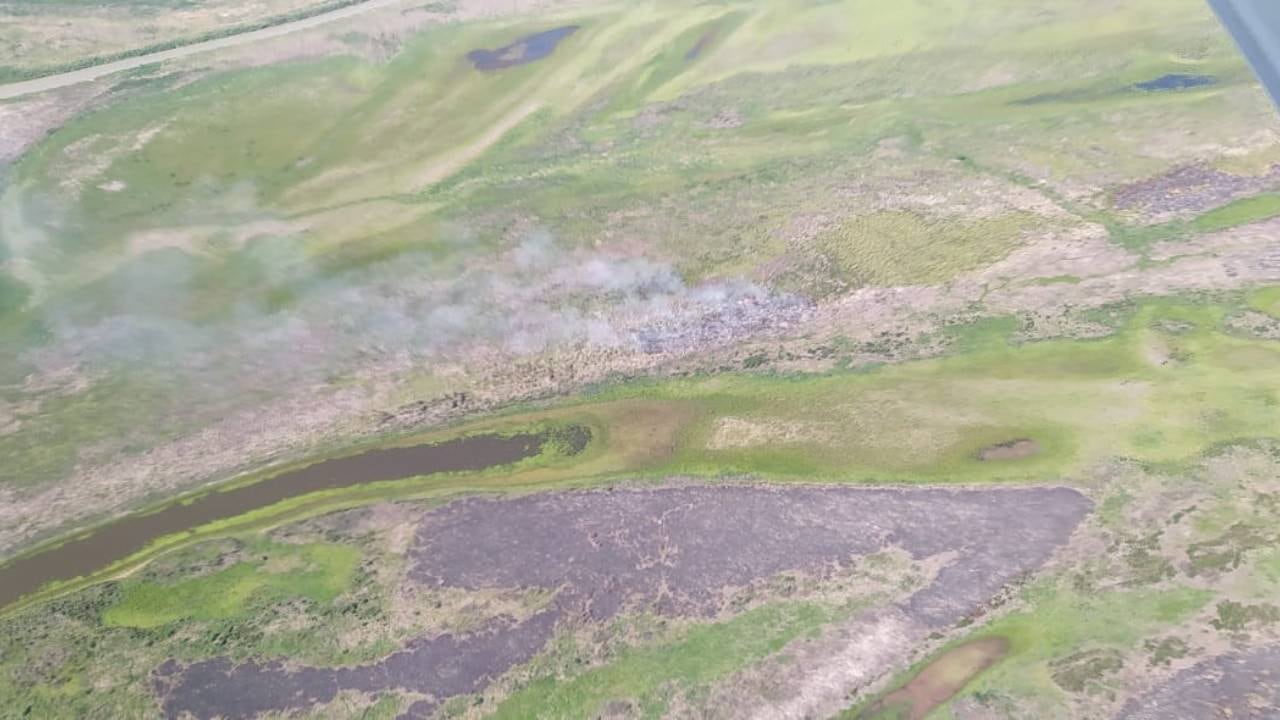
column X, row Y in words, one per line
column 735, row 432
column 941, row 679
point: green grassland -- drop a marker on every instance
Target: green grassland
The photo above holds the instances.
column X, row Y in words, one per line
column 1166, row 390
column 321, row 573
column 1168, row 385
column 1165, row 387
column 1059, row 626
column 1266, row 300
column 1189, row 564
column 297, row 140
column 244, row 198
column 104, row 644
column 899, row 248
column 1234, row 214
column 649, row 676
column 1240, row 212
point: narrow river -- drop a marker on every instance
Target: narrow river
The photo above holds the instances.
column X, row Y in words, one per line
column 121, row 538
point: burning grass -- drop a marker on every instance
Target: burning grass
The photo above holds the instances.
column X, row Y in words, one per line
column 331, row 227
column 1082, row 401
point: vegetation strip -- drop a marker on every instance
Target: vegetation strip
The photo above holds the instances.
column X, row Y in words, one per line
column 844, row 425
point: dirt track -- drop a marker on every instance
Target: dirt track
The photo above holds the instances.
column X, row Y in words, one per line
column 51, row 82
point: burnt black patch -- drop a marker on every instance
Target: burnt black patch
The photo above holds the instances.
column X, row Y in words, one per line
column 1240, row 685
column 673, row 551
column 441, row 667
column 1191, row 189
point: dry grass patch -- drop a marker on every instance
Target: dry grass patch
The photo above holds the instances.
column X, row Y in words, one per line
column 907, row 248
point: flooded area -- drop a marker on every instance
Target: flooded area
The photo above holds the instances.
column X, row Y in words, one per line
column 1176, row 81
column 525, row 50
column 940, row 680
column 119, row 539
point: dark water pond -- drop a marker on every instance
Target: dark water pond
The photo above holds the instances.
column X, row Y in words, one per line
column 525, row 50
column 701, row 45
column 1177, row 81
column 117, row 540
